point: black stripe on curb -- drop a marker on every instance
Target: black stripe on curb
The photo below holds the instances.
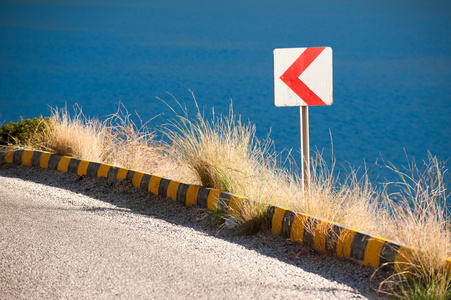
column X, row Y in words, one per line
column 36, row 158
column 130, row 174
column 17, row 157
column 358, row 246
column 144, row 185
column 309, row 232
column 93, row 168
column 163, row 188
column 73, row 165
column 112, row 172
column 287, row 222
column 202, row 196
column 181, row 192
column 223, row 201
column 54, row 161
column 332, row 238
column 388, row 255
column 270, row 215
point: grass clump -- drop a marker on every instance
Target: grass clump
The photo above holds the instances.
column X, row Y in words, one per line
column 222, row 151
column 252, row 218
column 350, row 202
column 127, row 143
column 136, row 146
column 76, row 136
column 419, row 217
column 23, row 131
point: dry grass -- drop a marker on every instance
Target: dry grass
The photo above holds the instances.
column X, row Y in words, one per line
column 418, row 206
column 75, row 136
column 134, row 146
column 351, row 202
column 419, row 217
column 224, row 152
column 117, row 140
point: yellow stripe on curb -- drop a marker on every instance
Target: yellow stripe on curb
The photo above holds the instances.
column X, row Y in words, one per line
column 154, row 184
column 373, row 251
column 448, row 267
column 45, row 157
column 172, row 189
column 136, row 181
column 297, row 228
column 320, row 234
column 235, row 203
column 345, row 241
column 103, row 170
column 121, row 173
column 191, row 194
column 403, row 259
column 63, row 164
column 276, row 224
column 212, row 200
column 83, row 168
column 9, row 157
column 26, row 157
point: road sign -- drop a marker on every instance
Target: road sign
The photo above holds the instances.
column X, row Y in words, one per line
column 303, row 76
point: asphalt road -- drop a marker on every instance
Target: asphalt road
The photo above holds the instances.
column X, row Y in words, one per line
column 56, row 243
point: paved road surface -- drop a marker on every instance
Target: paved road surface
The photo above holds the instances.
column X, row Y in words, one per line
column 55, row 243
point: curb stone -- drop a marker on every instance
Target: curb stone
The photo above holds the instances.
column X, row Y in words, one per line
column 316, row 233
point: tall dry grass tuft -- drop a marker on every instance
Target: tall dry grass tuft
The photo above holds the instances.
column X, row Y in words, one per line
column 420, row 218
column 76, row 136
column 135, row 146
column 117, row 140
column 351, row 202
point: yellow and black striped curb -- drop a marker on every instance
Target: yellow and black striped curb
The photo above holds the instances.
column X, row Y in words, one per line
column 317, row 233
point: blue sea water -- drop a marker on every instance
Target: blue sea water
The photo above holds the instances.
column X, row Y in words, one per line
column 391, row 66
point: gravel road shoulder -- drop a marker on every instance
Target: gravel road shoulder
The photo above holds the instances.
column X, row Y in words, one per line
column 274, row 264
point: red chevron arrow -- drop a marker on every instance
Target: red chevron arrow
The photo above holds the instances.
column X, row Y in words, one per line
column 291, row 76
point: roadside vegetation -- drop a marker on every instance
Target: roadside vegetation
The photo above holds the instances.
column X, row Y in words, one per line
column 223, row 152
column 21, row 133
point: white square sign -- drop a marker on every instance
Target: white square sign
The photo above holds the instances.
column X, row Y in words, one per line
column 303, row 76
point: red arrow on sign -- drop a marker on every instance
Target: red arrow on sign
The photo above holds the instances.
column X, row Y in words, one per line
column 291, row 76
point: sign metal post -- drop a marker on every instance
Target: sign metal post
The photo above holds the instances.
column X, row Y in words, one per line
column 305, row 147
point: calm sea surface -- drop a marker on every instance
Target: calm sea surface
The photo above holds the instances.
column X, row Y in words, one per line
column 391, row 64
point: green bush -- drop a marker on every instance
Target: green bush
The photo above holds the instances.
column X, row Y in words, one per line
column 21, row 132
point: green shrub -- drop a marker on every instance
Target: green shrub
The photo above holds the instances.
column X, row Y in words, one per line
column 21, row 132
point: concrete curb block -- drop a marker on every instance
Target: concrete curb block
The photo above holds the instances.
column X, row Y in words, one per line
column 314, row 232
